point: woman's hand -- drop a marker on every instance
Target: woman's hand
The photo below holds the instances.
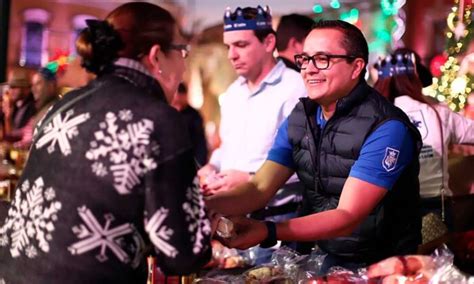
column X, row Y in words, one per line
column 227, row 180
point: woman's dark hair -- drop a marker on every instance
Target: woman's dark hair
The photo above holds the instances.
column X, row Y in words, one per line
column 401, row 85
column 128, row 31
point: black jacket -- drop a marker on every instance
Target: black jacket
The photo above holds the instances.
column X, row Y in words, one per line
column 324, row 160
column 110, row 180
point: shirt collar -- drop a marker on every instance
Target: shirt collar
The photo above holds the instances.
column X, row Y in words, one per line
column 132, row 64
column 320, row 120
column 272, row 78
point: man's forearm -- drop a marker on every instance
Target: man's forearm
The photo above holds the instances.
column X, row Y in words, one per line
column 325, row 225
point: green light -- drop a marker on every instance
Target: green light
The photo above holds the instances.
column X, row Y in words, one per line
column 317, row 8
column 335, row 4
column 355, row 13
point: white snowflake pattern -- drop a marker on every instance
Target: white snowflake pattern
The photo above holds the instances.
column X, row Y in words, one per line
column 49, row 194
column 124, row 152
column 199, row 225
column 31, row 252
column 99, row 169
column 93, row 236
column 126, row 115
column 159, row 233
column 3, row 240
column 31, row 216
column 60, row 131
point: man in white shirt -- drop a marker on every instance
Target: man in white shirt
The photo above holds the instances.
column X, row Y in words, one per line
column 253, row 107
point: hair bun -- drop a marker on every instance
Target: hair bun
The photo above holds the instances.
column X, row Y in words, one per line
column 105, row 43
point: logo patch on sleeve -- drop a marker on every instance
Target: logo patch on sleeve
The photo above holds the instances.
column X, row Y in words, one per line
column 390, row 159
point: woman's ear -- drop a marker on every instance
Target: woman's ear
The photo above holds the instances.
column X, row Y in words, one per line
column 154, row 56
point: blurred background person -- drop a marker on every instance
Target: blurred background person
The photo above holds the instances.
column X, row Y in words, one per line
column 194, row 122
column 400, row 79
column 18, row 105
column 45, row 92
column 290, row 35
column 111, row 167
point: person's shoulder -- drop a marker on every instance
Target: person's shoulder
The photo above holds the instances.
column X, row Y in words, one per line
column 289, row 74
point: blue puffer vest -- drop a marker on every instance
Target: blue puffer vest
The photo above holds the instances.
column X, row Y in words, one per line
column 324, row 159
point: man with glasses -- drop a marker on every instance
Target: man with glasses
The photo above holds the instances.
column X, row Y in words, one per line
column 355, row 153
column 252, row 109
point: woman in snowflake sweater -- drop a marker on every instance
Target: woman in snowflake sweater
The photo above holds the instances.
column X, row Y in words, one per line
column 110, row 178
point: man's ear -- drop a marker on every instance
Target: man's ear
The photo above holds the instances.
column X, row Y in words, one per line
column 359, row 65
column 270, row 42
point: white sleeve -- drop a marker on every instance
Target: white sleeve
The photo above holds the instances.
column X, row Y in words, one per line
column 460, row 128
column 299, row 91
column 216, row 156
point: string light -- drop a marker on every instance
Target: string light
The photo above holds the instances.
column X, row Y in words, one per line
column 451, row 88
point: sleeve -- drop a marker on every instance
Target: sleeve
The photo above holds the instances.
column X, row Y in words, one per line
column 460, row 128
column 216, row 156
column 175, row 217
column 385, row 154
column 298, row 91
column 281, row 151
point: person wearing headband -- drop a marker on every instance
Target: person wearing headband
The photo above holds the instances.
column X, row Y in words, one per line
column 252, row 108
column 401, row 79
column 355, row 153
column 110, row 179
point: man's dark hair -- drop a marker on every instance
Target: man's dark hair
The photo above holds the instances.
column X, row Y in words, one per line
column 353, row 42
column 292, row 25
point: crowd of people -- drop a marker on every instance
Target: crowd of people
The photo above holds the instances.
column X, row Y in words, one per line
column 310, row 154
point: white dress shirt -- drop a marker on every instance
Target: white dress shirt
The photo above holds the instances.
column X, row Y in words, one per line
column 250, row 120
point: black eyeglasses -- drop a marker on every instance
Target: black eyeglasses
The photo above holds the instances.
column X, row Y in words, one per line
column 320, row 60
column 183, row 48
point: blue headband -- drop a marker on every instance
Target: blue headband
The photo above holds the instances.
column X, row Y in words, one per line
column 237, row 22
column 397, row 64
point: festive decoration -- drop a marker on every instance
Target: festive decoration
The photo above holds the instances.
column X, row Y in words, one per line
column 59, row 62
column 436, row 63
column 389, row 26
column 453, row 86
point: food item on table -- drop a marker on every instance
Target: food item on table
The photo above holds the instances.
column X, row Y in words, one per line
column 265, row 274
column 225, row 228
column 403, row 269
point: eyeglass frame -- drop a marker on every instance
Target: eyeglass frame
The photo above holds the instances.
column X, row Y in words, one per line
column 183, row 48
column 349, row 58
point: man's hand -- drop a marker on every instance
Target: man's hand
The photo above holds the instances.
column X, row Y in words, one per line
column 248, row 233
column 226, row 180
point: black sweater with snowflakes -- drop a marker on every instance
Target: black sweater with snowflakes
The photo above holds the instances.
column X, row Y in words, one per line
column 110, row 180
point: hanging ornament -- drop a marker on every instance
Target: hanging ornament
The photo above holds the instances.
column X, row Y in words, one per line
column 459, row 30
column 436, row 64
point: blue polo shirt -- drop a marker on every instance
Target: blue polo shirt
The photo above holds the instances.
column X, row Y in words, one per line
column 383, row 157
